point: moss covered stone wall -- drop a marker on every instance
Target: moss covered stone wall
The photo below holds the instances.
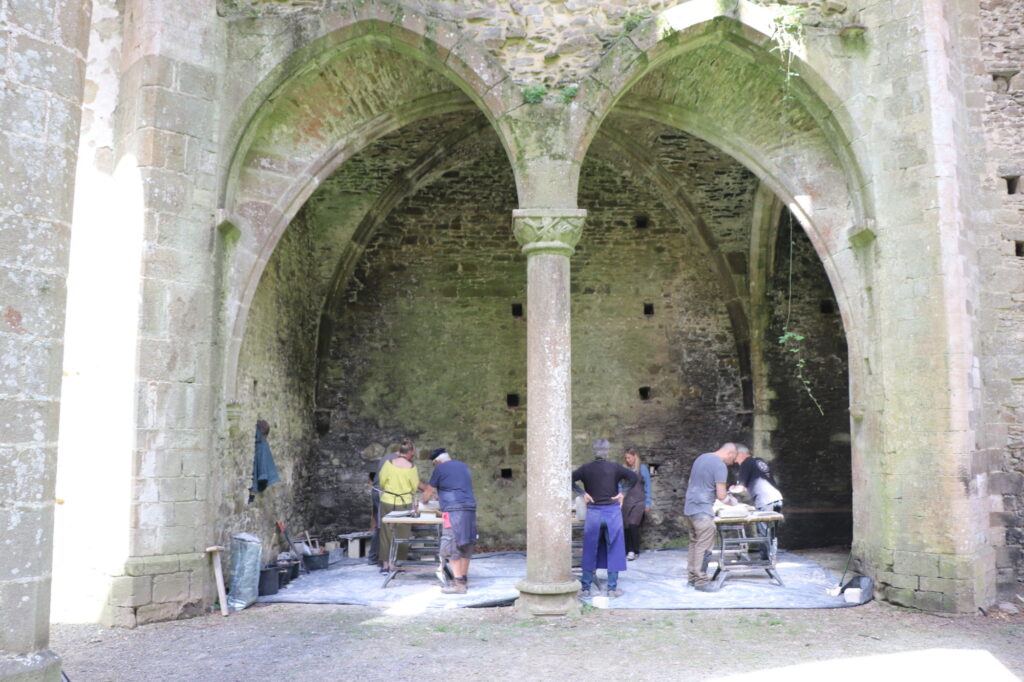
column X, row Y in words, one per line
column 275, row 380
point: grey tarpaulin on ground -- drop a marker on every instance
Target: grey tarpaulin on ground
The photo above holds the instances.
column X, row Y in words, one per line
column 246, row 550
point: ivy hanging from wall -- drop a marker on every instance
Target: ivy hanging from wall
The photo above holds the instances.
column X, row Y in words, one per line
column 787, row 33
column 792, row 341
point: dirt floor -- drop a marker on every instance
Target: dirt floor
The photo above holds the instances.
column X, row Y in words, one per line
column 330, row 642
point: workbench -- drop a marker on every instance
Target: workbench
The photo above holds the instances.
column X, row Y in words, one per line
column 424, row 541
column 735, row 549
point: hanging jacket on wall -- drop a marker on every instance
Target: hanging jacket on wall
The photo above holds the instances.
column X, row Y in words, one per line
column 264, row 472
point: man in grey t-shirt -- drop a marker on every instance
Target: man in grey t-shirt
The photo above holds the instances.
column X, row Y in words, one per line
column 707, row 484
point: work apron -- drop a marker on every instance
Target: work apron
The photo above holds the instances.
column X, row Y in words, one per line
column 603, row 547
column 633, row 504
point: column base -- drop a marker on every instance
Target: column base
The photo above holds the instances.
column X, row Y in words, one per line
column 548, row 599
column 43, row 666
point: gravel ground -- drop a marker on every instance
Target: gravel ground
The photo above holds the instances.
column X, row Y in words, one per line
column 325, row 642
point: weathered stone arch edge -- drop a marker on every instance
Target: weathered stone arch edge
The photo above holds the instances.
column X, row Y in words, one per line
column 432, row 41
column 746, row 27
column 746, row 152
column 238, row 292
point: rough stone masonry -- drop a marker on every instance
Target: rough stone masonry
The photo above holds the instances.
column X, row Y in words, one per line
column 507, row 228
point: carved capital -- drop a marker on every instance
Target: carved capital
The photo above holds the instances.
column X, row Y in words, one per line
column 548, row 230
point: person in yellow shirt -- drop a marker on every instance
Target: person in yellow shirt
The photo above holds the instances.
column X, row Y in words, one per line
column 399, row 481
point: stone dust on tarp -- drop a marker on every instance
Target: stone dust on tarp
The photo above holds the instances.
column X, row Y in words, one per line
column 655, row 580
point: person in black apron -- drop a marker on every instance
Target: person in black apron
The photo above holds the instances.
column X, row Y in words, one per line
column 636, row 503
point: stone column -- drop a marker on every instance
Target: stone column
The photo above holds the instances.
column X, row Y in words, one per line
column 548, row 238
column 41, row 69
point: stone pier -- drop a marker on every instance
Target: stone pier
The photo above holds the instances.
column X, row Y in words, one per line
column 40, row 96
column 548, row 238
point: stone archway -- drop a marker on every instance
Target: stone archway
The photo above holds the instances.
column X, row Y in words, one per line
column 801, row 154
column 295, row 136
column 790, row 128
column 394, row 110
column 712, row 76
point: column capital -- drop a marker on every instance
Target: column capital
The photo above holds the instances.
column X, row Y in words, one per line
column 548, row 230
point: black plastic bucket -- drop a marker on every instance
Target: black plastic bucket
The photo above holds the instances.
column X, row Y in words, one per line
column 315, row 562
column 269, row 582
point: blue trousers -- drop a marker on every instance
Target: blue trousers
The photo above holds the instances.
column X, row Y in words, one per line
column 587, row 579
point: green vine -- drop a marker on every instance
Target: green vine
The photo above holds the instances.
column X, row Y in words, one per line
column 787, row 33
column 631, row 20
column 792, row 341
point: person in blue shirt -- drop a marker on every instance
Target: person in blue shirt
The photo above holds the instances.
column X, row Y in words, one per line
column 453, row 483
column 636, row 503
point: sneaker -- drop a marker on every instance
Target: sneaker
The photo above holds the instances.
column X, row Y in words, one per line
column 707, row 587
column 631, row 556
column 615, row 594
column 454, row 587
column 585, row 593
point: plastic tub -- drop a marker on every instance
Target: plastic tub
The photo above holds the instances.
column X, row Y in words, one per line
column 316, row 562
column 269, row 580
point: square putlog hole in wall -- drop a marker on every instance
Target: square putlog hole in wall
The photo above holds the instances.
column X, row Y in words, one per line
column 737, row 262
column 645, row 393
column 1018, row 248
column 512, row 399
column 642, row 222
column 322, row 421
column 1012, row 184
column 517, row 310
column 648, row 308
column 506, row 473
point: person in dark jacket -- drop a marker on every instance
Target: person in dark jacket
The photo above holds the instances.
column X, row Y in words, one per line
column 603, row 537
column 755, row 477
